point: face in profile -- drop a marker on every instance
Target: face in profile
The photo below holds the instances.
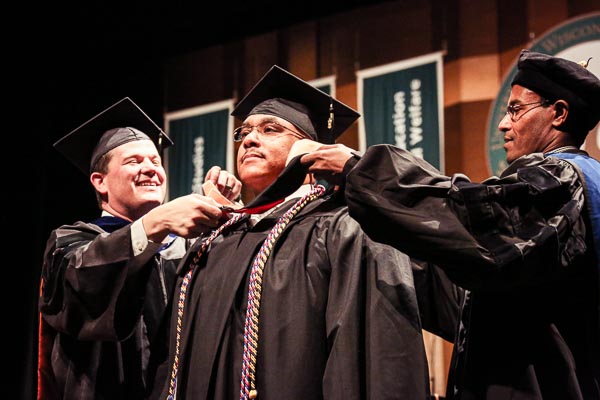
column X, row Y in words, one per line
column 527, row 125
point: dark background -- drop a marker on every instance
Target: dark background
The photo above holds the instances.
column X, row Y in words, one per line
column 66, row 63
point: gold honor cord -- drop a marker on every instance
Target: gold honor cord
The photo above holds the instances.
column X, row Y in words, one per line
column 248, row 382
column 182, row 296
column 248, row 385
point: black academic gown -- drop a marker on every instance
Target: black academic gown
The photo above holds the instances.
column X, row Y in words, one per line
column 522, row 244
column 104, row 313
column 339, row 317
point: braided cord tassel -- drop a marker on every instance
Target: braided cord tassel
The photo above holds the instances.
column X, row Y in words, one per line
column 248, row 381
column 182, row 295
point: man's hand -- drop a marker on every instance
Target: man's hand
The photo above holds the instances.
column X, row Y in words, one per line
column 226, row 183
column 327, row 162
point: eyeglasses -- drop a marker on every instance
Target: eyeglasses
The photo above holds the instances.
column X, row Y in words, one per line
column 513, row 109
column 265, row 129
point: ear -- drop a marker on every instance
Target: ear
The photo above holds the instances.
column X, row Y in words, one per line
column 97, row 180
column 561, row 111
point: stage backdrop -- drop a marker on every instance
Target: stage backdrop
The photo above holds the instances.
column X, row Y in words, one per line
column 402, row 104
column 203, row 138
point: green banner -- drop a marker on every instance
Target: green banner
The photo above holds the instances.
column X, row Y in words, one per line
column 402, row 104
column 202, row 138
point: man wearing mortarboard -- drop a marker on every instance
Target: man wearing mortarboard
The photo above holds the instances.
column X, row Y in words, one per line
column 290, row 299
column 106, row 284
column 526, row 244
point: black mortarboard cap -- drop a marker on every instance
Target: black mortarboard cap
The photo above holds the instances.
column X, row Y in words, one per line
column 286, row 96
column 120, row 123
column 556, row 78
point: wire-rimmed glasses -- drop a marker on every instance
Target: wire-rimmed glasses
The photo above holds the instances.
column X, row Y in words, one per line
column 513, row 109
column 265, row 128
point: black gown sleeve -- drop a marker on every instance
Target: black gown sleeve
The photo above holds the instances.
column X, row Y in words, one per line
column 93, row 286
column 521, row 228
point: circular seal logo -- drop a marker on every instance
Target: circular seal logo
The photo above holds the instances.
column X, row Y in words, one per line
column 577, row 39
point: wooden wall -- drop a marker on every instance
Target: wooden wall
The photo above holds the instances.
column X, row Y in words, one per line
column 481, row 40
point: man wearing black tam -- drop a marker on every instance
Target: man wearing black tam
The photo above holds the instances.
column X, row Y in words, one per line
column 526, row 244
column 106, row 284
column 290, row 299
